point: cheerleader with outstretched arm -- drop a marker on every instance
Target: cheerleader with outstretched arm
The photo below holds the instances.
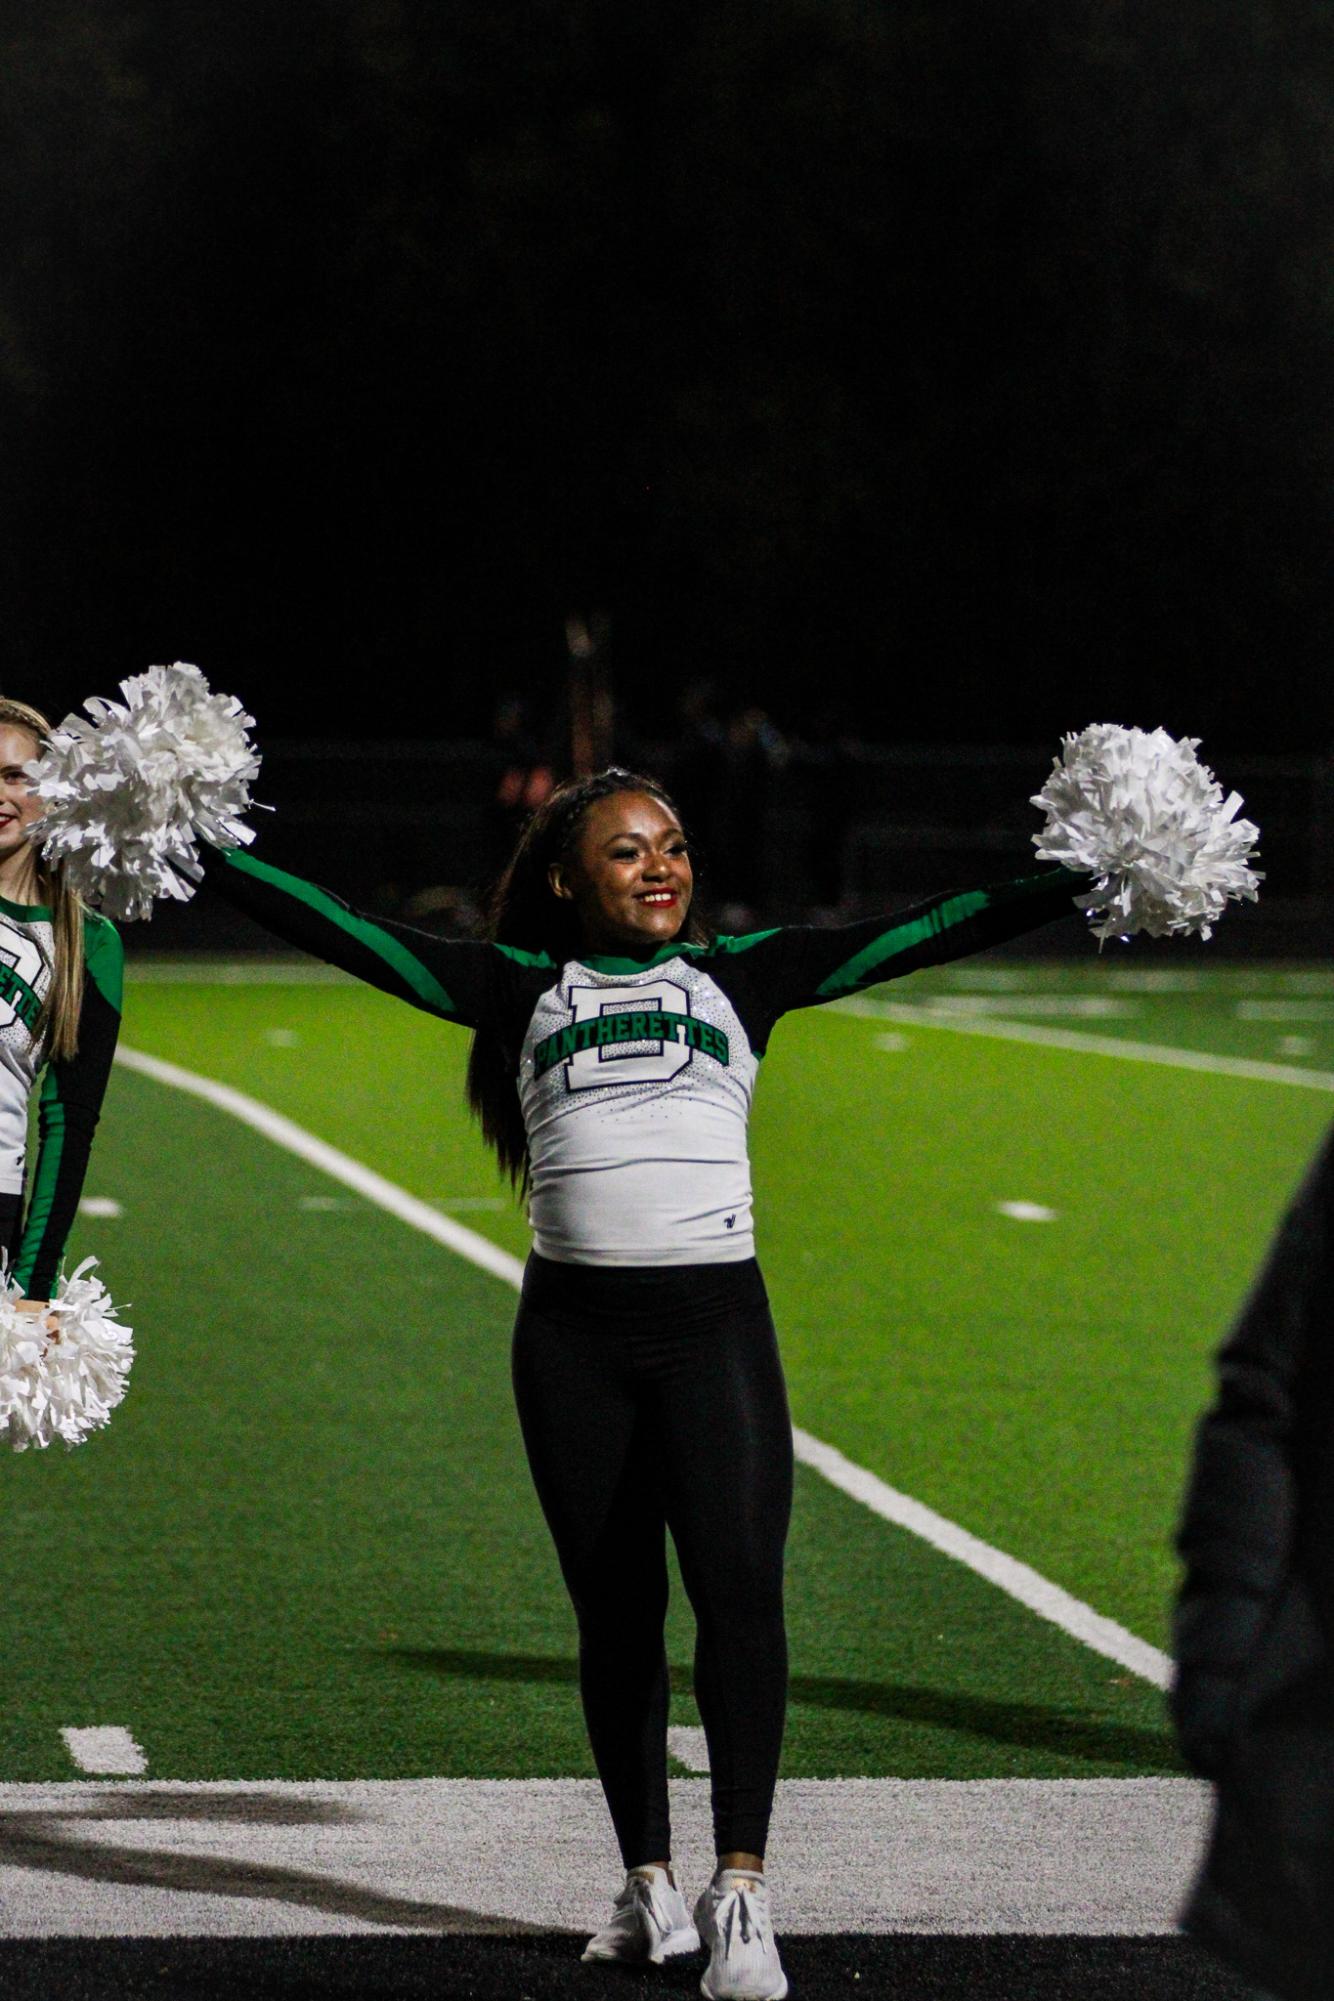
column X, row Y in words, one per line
column 60, row 1000
column 616, row 1043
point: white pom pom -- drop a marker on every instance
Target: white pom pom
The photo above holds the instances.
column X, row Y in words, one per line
column 125, row 796
column 67, row 1383
column 22, row 1402
column 1137, row 810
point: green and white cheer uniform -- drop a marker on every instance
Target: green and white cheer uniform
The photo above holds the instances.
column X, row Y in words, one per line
column 635, row 1075
column 72, row 1089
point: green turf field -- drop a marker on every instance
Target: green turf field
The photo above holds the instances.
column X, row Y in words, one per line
column 306, row 1545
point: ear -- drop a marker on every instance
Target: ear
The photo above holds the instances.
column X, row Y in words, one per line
column 556, row 876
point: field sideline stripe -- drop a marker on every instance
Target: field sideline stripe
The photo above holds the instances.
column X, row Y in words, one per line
column 273, row 1860
column 1048, row 1600
column 1020, row 1581
column 340, row 1166
column 909, row 1015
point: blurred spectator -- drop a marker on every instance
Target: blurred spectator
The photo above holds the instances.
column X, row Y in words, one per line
column 829, row 752
column 525, row 776
column 726, row 768
column 697, row 775
column 1253, row 1701
column 753, row 753
column 444, row 908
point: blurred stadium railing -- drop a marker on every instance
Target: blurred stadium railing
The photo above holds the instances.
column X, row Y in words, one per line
column 415, row 829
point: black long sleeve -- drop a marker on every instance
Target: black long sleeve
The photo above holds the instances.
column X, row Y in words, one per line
column 69, row 1106
column 771, row 972
column 461, row 980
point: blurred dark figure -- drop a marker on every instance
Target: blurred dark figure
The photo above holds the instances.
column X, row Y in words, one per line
column 588, row 692
column 751, row 755
column 448, row 909
column 1253, row 1701
column 524, row 773
column 829, row 754
column 698, row 769
column 723, row 765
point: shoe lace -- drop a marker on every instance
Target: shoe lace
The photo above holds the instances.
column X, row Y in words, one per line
column 739, row 1913
column 639, row 1891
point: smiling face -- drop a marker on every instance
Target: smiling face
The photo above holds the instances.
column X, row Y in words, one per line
column 19, row 804
column 628, row 875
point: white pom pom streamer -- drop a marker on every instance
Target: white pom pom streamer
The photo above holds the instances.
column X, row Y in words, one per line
column 22, row 1400
column 67, row 1383
column 1137, row 810
column 125, row 796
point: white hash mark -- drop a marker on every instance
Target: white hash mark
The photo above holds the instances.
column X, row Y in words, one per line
column 107, row 1750
column 688, row 1746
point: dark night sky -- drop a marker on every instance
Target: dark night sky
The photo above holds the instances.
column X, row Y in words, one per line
column 961, row 368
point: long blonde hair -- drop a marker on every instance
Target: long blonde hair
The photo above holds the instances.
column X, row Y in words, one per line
column 58, row 1023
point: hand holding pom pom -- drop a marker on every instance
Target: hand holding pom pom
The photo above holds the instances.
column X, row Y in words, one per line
column 126, row 795
column 62, row 1372
column 1138, row 811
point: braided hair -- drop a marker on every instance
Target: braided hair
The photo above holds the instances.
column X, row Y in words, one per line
column 524, row 910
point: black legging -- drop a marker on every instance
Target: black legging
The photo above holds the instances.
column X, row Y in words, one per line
column 653, row 1398
column 11, row 1220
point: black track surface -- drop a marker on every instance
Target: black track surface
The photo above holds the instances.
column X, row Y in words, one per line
column 547, row 1968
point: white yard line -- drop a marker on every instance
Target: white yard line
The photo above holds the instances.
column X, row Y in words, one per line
column 1082, row 1044
column 1038, row 1593
column 107, row 1750
column 689, row 1746
column 1104, row 1636
column 148, row 969
column 264, row 969
column 1285, row 1010
column 268, row 1859
column 339, row 1166
column 1089, row 1006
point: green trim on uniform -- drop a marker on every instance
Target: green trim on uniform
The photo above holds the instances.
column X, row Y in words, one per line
column 607, row 962
column 746, row 941
column 104, row 958
column 26, row 913
column 862, row 969
column 45, row 1180
column 383, row 944
column 539, row 961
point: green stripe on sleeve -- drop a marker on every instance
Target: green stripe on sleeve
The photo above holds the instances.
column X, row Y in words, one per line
column 104, row 958
column 533, row 960
column 391, row 951
column 746, row 942
column 860, row 970
column 44, row 1182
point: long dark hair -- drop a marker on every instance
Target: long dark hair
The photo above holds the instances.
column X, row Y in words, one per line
column 524, row 910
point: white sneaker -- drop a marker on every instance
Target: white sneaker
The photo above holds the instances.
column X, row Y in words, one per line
column 734, row 1923
column 649, row 1921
